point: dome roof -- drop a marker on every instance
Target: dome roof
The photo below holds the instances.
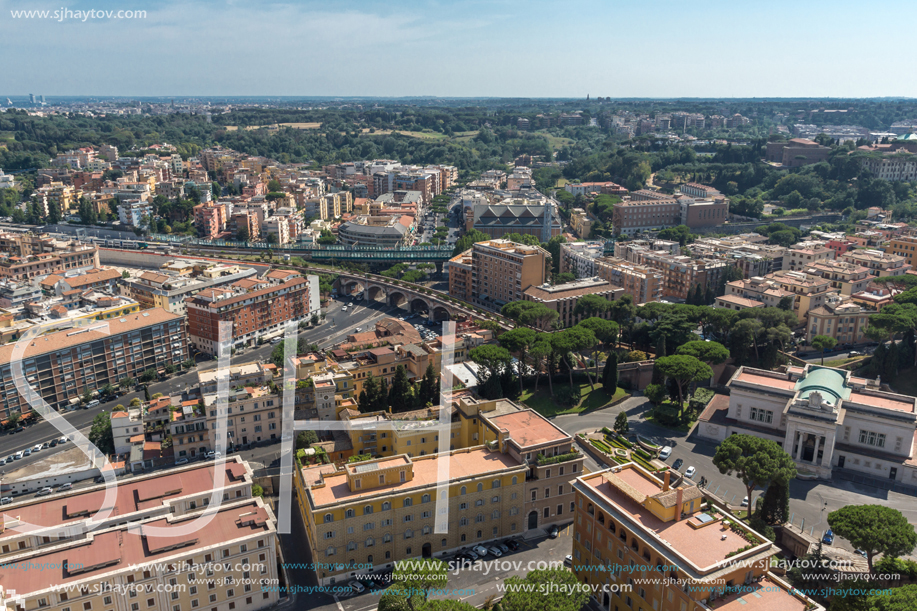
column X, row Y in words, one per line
column 831, row 383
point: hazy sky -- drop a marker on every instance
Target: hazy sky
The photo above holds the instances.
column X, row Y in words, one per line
column 536, row 48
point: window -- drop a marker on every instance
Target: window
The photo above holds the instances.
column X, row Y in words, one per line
column 425, row 498
column 408, row 533
column 480, row 487
column 386, row 506
column 872, row 438
column 329, row 518
column 463, row 491
column 367, row 510
column 495, row 484
column 349, row 513
column 762, row 415
column 408, row 502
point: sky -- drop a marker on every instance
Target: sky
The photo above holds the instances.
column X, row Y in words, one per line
column 463, row 48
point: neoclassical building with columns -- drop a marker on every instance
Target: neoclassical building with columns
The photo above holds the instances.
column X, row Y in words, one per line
column 825, row 418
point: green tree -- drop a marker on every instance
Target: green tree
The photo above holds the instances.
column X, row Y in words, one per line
column 399, row 395
column 775, row 507
column 712, row 353
column 242, row 234
column 684, row 370
column 306, row 439
column 544, row 590
column 822, row 343
column 786, row 303
column 755, row 461
column 605, row 332
column 495, row 360
column 429, row 387
column 412, row 582
column 368, row 400
column 149, row 375
column 875, row 529
column 656, row 393
column 621, row 425
column 517, row 341
column 903, row 598
column 100, row 434
column 572, row 341
column 87, row 395
column 127, row 382
column 610, row 374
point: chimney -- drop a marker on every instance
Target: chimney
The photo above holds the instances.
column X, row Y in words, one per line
column 678, row 503
column 665, row 481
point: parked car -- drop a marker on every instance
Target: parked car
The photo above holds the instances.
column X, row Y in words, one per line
column 63, row 487
column 471, row 555
column 480, row 550
column 690, row 472
column 745, row 502
column 678, row 463
column 495, row 551
column 45, row 445
column 18, row 455
column 53, row 443
column 828, row 539
column 512, row 544
column 44, row 492
column 211, row 455
column 665, row 453
column 27, row 452
column 36, row 447
column 503, row 548
column 6, row 500
column 357, row 587
column 10, row 458
column 568, row 560
column 63, row 440
column 93, row 403
column 18, row 429
column 554, row 532
column 181, row 461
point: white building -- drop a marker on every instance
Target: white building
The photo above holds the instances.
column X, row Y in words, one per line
column 131, row 212
column 824, row 418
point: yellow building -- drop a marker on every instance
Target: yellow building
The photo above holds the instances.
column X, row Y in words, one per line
column 650, row 544
column 374, row 513
column 904, row 246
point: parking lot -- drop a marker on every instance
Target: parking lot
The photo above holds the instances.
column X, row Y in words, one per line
column 475, row 582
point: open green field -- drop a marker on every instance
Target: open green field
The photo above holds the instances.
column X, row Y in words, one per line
column 542, row 402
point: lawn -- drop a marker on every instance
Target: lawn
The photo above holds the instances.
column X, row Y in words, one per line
column 684, row 427
column 842, row 362
column 542, row 402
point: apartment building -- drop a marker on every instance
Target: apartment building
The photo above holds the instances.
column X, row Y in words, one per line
column 381, row 231
column 169, row 291
column 563, row 298
column 682, row 274
column 135, row 212
column 379, row 511
column 61, row 365
column 634, row 527
column 100, row 279
column 253, row 415
column 904, row 246
column 499, row 272
column 633, row 251
column 210, row 219
column 755, row 292
column 840, row 318
column 799, row 257
column 143, row 568
column 846, row 278
column 641, row 282
column 637, row 215
column 810, row 291
column 880, row 264
column 581, row 222
column 26, row 256
column 251, row 312
column 579, row 257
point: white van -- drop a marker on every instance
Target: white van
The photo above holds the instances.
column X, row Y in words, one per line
column 276, row 340
column 92, row 404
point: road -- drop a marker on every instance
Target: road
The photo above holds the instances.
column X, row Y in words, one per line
column 333, row 330
column 810, row 501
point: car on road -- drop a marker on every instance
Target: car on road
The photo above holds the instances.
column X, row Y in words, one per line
column 554, row 532
column 211, row 455
column 18, row 455
column 678, row 463
column 53, row 443
column 181, row 461
column 45, row 445
column 36, row 447
column 27, row 452
column 828, row 539
column 471, row 555
column 689, row 473
column 480, row 550
column 10, row 458
column 44, row 492
column 63, row 487
column 503, row 548
column 62, row 440
column 745, row 502
column 93, row 403
column 665, row 453
column 18, row 429
column 6, row 500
